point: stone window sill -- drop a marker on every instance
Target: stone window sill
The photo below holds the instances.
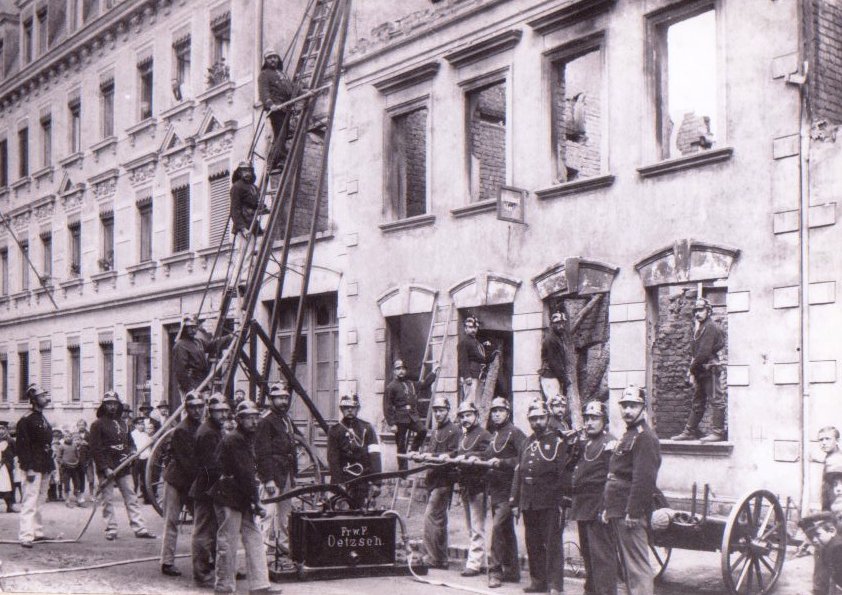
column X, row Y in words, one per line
column 143, row 266
column 408, row 223
column 109, row 141
column 4, row 192
column 70, row 283
column 72, row 159
column 4, row 300
column 104, row 276
column 301, row 240
column 43, row 173
column 697, row 448
column 686, row 162
column 20, row 183
column 179, row 108
column 149, row 124
column 482, row 206
column 213, row 92
column 177, row 258
column 211, row 251
column 21, row 295
column 43, row 289
column 575, row 187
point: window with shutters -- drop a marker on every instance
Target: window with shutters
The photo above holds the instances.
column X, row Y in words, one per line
column 47, row 255
column 106, row 354
column 4, row 163
column 43, row 37
column 23, row 375
column 46, row 356
column 407, row 172
column 74, row 109
column 23, row 152
column 106, row 99
column 74, row 361
column 46, row 141
column 144, row 73
column 24, row 265
column 220, row 186
column 75, row 248
column 4, row 379
column 144, row 213
column 4, row 271
column 181, row 218
column 106, row 255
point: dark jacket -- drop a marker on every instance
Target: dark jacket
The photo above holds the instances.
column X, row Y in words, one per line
column 7, row 458
column 506, row 444
column 400, row 400
column 352, row 450
column 190, row 363
column 244, row 203
column 84, row 447
column 539, row 478
column 553, row 359
column 111, row 442
column 274, row 447
column 208, row 437
column 273, row 86
column 589, row 477
column 34, row 443
column 182, row 468
column 472, row 357
column 707, row 341
column 237, row 484
column 443, row 441
column 633, row 473
column 473, row 443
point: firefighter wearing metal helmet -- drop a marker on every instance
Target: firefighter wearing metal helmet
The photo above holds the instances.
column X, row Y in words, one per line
column 190, row 354
column 632, row 483
column 504, row 451
column 554, row 375
column 274, row 89
column 274, row 447
column 353, row 450
column 244, row 198
column 705, row 374
column 400, row 409
column 443, row 442
column 537, row 492
column 589, row 477
column 205, row 526
column 472, row 359
column 34, row 450
column 473, row 444
column 559, row 415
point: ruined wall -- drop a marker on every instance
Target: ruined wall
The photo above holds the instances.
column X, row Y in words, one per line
column 488, row 138
column 577, row 116
column 825, row 28
column 412, row 131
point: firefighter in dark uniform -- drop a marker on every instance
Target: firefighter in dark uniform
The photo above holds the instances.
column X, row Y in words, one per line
column 473, row 445
column 190, row 354
column 353, row 450
column 557, row 405
column 444, row 441
column 537, row 492
column 472, row 359
column 504, row 450
column 203, row 544
column 178, row 477
column 400, row 409
column 628, row 498
column 35, row 456
column 589, row 477
column 554, row 376
column 274, row 447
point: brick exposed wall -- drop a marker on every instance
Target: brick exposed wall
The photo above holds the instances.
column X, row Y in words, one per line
column 411, row 132
column 671, row 353
column 488, row 137
column 825, row 24
column 577, row 117
column 307, row 192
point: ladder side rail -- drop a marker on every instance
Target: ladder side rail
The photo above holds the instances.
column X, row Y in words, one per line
column 427, row 345
column 445, row 336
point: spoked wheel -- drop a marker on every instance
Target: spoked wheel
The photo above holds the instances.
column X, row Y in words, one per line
column 309, row 473
column 662, row 556
column 573, row 561
column 754, row 544
column 159, row 458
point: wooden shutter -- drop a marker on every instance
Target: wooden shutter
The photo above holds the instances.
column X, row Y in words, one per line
column 220, row 205
column 46, row 354
column 181, row 218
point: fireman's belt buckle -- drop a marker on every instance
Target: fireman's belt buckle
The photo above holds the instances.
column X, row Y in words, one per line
column 530, row 480
column 355, row 469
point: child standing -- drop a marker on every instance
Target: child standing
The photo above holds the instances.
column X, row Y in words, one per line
column 829, row 443
column 822, row 532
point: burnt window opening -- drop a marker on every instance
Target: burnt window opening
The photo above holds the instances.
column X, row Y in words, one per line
column 486, row 123
column 407, row 181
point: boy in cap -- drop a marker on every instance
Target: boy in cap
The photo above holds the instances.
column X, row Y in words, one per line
column 34, row 441
column 822, row 531
column 832, row 462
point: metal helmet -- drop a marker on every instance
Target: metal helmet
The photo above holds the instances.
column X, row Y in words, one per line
column 472, row 319
column 500, row 403
column 557, row 317
column 634, row 394
column 218, row 402
column 111, row 397
column 440, row 403
column 349, row 401
column 702, row 304
column 557, row 400
column 537, row 409
column 193, row 399
column 245, row 165
column 34, row 390
column 278, row 390
column 189, row 320
column 270, row 52
column 595, row 408
column 247, row 408
column 467, row 407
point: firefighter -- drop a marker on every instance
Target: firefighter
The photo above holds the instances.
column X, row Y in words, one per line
column 628, row 497
column 274, row 447
column 537, row 492
column 203, row 543
column 353, row 450
column 553, row 374
column 589, row 477
column 557, row 405
column 190, row 354
column 35, row 458
column 178, row 477
column 400, row 409
column 111, row 444
column 473, row 444
column 245, row 199
column 504, row 450
column 472, row 358
column 444, row 441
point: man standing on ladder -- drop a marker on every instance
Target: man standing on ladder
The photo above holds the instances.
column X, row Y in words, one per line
column 244, row 198
column 472, row 360
column 400, row 409
column 190, row 355
column 274, row 89
column 553, row 373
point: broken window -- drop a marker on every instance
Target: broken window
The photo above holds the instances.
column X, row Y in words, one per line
column 686, row 83
column 486, row 120
column 407, row 183
column 577, row 115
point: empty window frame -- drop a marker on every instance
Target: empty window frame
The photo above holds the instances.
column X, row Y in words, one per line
column 686, row 80
column 144, row 214
column 106, row 103
column 46, row 141
column 75, row 248
column 23, row 152
column 106, row 352
column 4, row 378
column 43, row 36
column 145, row 87
column 90, row 10
column 407, row 168
column 181, row 69
column 486, row 121
column 577, row 116
column 221, row 38
column 4, row 271
column 74, row 112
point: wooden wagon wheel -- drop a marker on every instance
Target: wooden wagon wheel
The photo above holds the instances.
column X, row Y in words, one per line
column 754, row 544
column 153, row 480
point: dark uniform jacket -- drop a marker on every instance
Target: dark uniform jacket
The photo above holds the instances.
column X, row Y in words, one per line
column 400, row 401
column 589, row 477
column 473, row 443
column 208, row 437
column 633, row 473
column 190, row 363
column 349, row 450
column 443, row 441
column 237, row 484
column 181, row 470
column 244, row 202
column 506, row 444
column 274, row 447
column 539, row 479
column 273, row 87
column 706, row 343
column 34, row 443
column 111, row 442
column 553, row 359
column 471, row 357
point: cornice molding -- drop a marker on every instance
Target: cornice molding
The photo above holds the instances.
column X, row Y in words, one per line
column 569, row 14
column 408, row 78
column 484, row 48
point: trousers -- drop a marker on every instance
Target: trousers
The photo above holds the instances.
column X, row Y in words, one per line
column 503, row 558
column 30, row 511
column 543, row 547
column 634, row 554
column 600, row 556
column 124, row 484
column 203, row 542
column 474, row 506
column 233, row 526
column 275, row 527
column 709, row 391
column 435, row 524
column 174, row 501
column 402, row 439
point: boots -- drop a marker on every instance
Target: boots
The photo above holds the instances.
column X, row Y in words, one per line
column 714, row 436
column 687, row 434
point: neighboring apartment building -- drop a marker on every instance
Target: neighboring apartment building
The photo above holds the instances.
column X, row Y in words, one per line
column 121, row 122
